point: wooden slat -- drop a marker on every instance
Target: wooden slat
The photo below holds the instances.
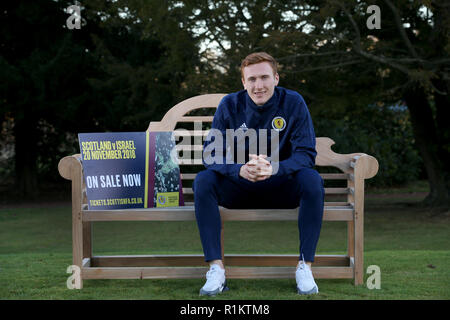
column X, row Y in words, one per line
column 170, row 119
column 325, row 176
column 149, row 260
column 188, row 176
column 180, row 147
column 174, row 272
column 87, row 239
column 350, row 224
column 198, row 260
column 190, row 133
column 284, row 260
column 337, row 190
column 337, row 203
column 188, row 191
column 338, row 214
column 199, row 272
column 358, row 195
column 334, row 176
column 330, row 214
column 111, row 273
column 77, row 223
column 190, row 161
column 287, row 272
column 187, row 213
column 327, row 191
column 196, row 118
column 332, row 272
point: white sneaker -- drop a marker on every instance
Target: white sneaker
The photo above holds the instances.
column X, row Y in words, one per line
column 305, row 280
column 215, row 281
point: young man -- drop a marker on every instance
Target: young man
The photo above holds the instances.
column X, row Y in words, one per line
column 260, row 181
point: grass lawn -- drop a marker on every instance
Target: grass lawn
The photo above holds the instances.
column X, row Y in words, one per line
column 411, row 248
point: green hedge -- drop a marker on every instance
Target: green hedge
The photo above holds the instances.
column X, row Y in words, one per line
column 383, row 132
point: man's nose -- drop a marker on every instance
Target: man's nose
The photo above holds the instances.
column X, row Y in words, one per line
column 259, row 83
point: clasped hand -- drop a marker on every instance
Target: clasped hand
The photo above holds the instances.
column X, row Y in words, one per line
column 257, row 169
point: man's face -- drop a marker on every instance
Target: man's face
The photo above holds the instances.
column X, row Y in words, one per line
column 260, row 82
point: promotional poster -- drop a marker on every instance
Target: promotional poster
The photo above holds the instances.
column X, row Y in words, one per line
column 130, row 170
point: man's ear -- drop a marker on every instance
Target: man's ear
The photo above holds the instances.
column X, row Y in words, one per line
column 277, row 78
column 243, row 83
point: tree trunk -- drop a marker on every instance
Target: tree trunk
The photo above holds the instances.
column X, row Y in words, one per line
column 427, row 141
column 26, row 139
column 442, row 103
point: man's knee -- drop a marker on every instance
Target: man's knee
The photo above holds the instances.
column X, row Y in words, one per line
column 310, row 181
column 204, row 180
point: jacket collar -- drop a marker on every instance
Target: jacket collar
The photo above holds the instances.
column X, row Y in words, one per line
column 273, row 101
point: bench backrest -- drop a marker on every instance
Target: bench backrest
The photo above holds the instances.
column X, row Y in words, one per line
column 180, row 113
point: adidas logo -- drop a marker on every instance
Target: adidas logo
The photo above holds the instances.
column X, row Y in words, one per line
column 243, row 127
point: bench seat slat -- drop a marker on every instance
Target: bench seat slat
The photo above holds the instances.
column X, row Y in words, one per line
column 187, row 213
column 325, row 176
column 327, row 191
column 326, row 203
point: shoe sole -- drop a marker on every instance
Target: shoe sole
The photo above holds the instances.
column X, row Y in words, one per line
column 314, row 290
column 213, row 293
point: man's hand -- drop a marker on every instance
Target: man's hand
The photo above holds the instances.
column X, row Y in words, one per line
column 257, row 169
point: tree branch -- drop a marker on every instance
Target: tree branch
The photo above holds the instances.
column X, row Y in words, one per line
column 299, row 55
column 357, row 42
column 331, row 66
column 398, row 23
column 358, row 49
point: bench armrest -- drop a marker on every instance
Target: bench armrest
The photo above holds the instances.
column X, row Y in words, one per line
column 69, row 165
column 365, row 166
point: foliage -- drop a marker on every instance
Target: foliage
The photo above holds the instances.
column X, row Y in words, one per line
column 111, row 75
column 381, row 131
column 134, row 59
column 329, row 54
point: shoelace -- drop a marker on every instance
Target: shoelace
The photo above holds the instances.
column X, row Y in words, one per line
column 303, row 267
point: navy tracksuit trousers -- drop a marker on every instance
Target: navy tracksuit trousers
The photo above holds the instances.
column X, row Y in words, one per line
column 303, row 189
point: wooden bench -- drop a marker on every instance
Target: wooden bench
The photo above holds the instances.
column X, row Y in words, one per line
column 353, row 170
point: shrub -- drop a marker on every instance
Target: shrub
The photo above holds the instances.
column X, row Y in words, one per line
column 382, row 131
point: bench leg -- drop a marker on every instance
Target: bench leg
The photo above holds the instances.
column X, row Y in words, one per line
column 351, row 238
column 77, row 243
column 87, row 239
column 77, row 222
column 359, row 249
column 357, row 226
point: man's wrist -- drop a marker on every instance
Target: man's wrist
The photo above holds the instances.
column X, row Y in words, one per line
column 239, row 172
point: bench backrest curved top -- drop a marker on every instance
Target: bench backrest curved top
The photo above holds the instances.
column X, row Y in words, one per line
column 325, row 155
